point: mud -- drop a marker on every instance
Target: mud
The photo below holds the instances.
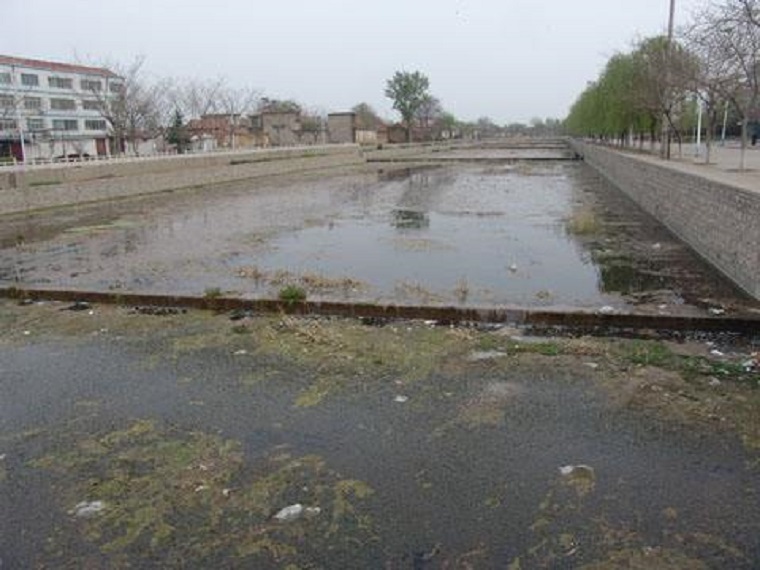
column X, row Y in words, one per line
column 420, row 446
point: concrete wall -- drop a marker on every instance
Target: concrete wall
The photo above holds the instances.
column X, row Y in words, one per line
column 341, row 127
column 93, row 182
column 720, row 222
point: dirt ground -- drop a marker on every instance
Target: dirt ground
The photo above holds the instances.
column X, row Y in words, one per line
column 135, row 437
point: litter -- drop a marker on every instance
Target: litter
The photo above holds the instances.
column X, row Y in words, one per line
column 296, row 511
column 513, row 268
column 401, row 399
column 240, row 352
column 607, row 310
column 716, row 312
column 716, row 352
column 592, row 365
column 87, row 509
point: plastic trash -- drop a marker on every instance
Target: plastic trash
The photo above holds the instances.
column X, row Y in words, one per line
column 295, row 512
column 87, row 509
column 606, row 310
column 401, row 399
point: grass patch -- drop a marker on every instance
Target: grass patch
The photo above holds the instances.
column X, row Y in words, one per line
column 39, row 183
column 584, row 222
column 292, row 294
column 166, row 497
column 212, row 293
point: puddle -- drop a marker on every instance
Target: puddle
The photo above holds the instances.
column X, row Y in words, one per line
column 532, row 234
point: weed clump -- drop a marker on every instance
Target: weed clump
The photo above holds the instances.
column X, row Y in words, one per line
column 291, row 294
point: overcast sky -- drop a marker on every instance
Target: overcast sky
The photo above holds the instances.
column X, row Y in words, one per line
column 507, row 59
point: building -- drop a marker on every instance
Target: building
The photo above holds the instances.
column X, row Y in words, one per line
column 346, row 128
column 52, row 110
column 278, row 128
column 227, row 131
column 341, row 127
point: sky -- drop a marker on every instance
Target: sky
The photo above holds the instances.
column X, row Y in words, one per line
column 510, row 60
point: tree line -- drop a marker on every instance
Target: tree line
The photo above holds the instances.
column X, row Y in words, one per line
column 712, row 62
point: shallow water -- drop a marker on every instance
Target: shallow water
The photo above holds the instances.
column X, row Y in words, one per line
column 536, row 234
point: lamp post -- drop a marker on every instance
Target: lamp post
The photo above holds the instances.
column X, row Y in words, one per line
column 665, row 131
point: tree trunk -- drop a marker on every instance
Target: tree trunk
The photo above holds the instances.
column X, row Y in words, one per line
column 743, row 152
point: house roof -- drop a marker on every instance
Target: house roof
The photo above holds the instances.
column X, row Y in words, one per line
column 54, row 66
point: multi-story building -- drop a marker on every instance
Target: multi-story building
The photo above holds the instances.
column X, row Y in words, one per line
column 50, row 110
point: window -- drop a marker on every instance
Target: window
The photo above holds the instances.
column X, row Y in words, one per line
column 65, row 124
column 61, row 82
column 91, row 85
column 5, row 78
column 7, row 124
column 6, row 102
column 94, row 125
column 35, row 124
column 63, row 104
column 32, row 103
column 115, row 87
column 30, row 80
column 90, row 105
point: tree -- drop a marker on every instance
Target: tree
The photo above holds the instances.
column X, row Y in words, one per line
column 133, row 106
column 267, row 105
column 176, row 133
column 408, row 91
column 728, row 43
column 366, row 117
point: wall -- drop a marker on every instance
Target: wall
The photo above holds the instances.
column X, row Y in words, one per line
column 341, row 127
column 720, row 222
column 44, row 187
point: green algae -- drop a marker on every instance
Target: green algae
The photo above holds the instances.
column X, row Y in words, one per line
column 169, row 497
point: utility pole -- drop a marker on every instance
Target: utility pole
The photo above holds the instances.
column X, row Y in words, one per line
column 665, row 130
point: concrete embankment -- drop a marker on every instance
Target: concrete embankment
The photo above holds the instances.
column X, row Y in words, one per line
column 719, row 219
column 48, row 187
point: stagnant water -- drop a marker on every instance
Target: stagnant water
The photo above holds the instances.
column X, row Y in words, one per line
column 536, row 234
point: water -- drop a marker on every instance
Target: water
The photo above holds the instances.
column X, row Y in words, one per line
column 543, row 234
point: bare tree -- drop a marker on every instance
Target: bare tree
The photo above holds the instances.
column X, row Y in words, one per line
column 727, row 40
column 235, row 102
column 133, row 106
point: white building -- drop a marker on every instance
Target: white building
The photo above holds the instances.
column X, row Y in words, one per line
column 50, row 110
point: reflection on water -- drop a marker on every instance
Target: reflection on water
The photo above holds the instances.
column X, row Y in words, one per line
column 485, row 234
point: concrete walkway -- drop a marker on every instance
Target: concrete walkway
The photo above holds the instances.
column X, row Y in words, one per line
column 723, row 167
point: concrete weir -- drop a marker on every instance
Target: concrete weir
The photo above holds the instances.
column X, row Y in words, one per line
column 571, row 321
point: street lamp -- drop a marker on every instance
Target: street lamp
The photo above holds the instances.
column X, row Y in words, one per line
column 665, row 131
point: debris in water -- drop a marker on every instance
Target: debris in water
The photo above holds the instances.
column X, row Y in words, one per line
column 513, row 268
column 87, row 509
column 582, row 478
column 401, row 399
column 296, row 511
column 485, row 355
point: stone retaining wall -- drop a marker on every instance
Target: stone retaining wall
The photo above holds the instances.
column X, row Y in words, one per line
column 720, row 222
column 89, row 183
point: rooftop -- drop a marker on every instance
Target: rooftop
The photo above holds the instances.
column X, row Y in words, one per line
column 54, row 66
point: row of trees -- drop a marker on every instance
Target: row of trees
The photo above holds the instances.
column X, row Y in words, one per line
column 146, row 107
column 714, row 62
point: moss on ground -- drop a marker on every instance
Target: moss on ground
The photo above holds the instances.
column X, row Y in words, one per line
column 167, row 497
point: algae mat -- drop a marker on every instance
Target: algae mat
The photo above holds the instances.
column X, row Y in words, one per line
column 190, row 440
